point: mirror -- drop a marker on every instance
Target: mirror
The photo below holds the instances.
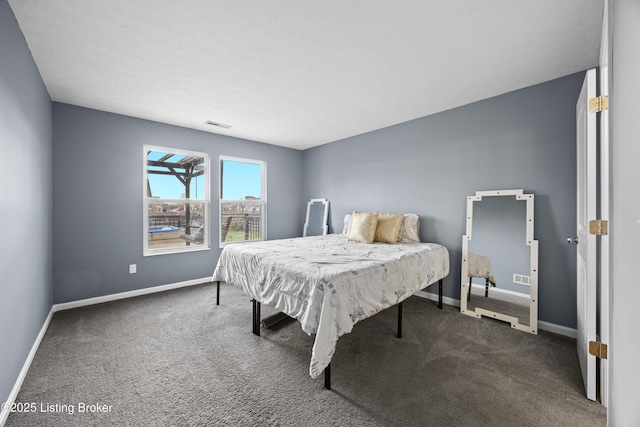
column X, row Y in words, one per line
column 317, row 215
column 500, row 259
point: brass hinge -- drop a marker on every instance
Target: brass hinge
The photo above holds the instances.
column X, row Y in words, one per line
column 598, row 349
column 598, row 227
column 599, row 103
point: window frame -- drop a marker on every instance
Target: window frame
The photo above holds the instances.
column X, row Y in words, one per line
column 146, row 201
column 262, row 201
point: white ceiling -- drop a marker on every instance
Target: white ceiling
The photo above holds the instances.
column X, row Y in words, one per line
column 301, row 73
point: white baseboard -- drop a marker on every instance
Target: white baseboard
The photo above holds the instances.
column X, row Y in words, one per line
column 25, row 368
column 82, row 303
column 557, row 329
column 545, row 326
column 128, row 294
column 434, row 297
column 500, row 290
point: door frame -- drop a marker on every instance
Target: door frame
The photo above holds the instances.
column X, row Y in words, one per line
column 605, row 200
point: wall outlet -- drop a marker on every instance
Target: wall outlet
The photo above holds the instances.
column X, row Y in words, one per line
column 132, row 268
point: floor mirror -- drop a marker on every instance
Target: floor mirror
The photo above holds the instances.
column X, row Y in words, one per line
column 315, row 223
column 499, row 277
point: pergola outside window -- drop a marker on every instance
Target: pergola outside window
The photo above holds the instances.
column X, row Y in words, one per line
column 176, row 201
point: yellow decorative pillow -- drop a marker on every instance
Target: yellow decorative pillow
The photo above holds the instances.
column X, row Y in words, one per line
column 388, row 228
column 363, row 227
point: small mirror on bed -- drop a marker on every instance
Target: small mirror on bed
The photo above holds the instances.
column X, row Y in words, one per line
column 317, row 215
column 499, row 276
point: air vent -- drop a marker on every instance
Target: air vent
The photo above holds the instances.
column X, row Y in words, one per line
column 522, row 279
column 220, row 125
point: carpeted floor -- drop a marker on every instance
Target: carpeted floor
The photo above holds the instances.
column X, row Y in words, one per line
column 175, row 358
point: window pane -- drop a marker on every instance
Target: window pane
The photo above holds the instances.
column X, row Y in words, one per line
column 240, row 180
column 176, row 201
column 241, row 221
column 175, row 176
column 175, row 225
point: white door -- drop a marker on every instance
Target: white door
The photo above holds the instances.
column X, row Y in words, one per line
column 586, row 210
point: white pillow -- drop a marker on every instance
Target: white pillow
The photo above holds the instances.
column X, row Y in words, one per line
column 347, row 222
column 410, row 229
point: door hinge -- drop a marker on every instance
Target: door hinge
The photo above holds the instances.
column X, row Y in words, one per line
column 598, row 349
column 599, row 103
column 598, row 227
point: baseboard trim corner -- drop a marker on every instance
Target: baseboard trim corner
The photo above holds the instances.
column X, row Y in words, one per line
column 4, row 414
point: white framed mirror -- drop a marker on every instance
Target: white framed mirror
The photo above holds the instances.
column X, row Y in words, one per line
column 315, row 223
column 499, row 277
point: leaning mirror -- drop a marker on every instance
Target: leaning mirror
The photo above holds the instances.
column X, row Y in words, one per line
column 500, row 259
column 317, row 214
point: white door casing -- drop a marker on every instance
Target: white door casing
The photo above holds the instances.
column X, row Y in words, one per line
column 605, row 186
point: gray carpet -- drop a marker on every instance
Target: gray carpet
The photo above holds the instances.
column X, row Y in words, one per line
column 175, row 358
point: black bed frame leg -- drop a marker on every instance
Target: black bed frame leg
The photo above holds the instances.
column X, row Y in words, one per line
column 256, row 317
column 218, row 292
column 327, row 377
column 400, row 319
column 440, row 294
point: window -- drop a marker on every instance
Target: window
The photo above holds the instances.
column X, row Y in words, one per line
column 176, row 200
column 242, row 200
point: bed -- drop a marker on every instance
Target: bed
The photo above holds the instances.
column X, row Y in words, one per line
column 329, row 283
column 480, row 266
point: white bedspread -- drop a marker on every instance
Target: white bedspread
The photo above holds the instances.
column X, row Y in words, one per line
column 480, row 266
column 329, row 283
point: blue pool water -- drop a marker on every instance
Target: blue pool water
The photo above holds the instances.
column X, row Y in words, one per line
column 163, row 229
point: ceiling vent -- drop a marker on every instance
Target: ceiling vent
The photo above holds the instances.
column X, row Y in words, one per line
column 220, row 125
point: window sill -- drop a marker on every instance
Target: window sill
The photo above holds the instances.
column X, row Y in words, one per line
column 176, row 251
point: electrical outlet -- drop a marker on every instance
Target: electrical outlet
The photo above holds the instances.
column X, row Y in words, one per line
column 132, row 268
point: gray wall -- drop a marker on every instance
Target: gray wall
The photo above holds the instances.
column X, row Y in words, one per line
column 625, row 217
column 97, row 205
column 25, row 203
column 523, row 139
